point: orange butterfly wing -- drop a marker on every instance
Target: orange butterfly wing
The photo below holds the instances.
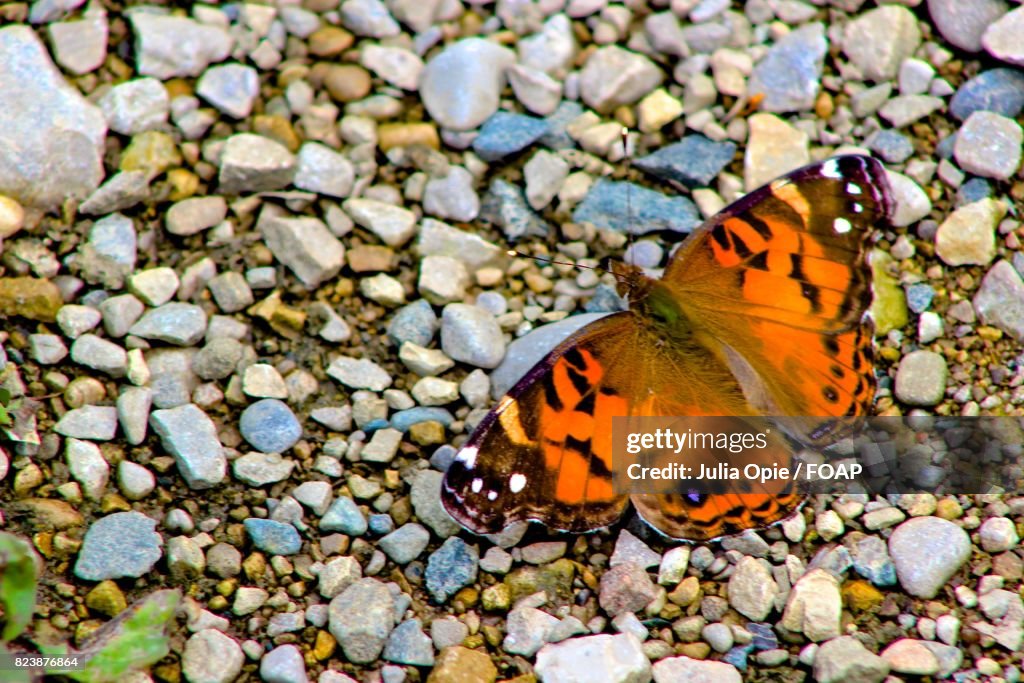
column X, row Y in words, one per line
column 761, row 311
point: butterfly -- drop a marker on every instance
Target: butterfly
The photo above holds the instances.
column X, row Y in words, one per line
column 762, row 310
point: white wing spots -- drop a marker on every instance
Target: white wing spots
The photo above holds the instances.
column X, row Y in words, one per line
column 842, row 226
column 467, row 456
column 492, row 495
column 477, row 485
column 517, row 482
column 857, row 208
column 853, row 188
column 830, row 169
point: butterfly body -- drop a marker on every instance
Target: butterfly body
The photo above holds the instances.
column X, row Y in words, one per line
column 761, row 311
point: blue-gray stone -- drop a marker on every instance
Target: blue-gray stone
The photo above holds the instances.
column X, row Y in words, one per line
column 789, row 76
column 276, row 538
column 892, row 146
column 871, row 560
column 944, row 150
column 605, row 300
column 506, row 133
column 996, row 90
column 835, row 560
column 919, row 297
column 694, row 161
column 124, row 544
column 737, row 656
column 557, row 137
column 441, row 459
column 505, row 206
column 344, row 516
column 631, row 208
column 404, row 419
column 408, row 644
column 764, row 636
column 381, row 524
column 270, row 426
column 415, row 322
column 975, row 189
column 405, row 544
column 451, row 567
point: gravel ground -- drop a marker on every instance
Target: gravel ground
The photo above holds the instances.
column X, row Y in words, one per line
column 255, row 293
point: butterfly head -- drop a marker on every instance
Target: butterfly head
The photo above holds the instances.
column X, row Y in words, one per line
column 632, row 283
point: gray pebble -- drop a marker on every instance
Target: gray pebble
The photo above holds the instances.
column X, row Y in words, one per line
column 1001, row 38
column 369, row 18
column 88, row 467
column 95, row 423
column 878, row 41
column 461, row 85
column 123, row 544
column 168, row 46
column 46, row 349
column 120, row 313
column 212, row 657
column 506, row 206
column 302, row 243
column 275, row 538
column 324, row 171
column 921, row 378
column 846, row 660
column 136, row 106
column 359, row 373
column 426, row 502
column 405, row 544
column 122, row 190
column 270, row 426
column 1000, row 91
column 694, row 161
column 614, row 76
column 927, row 552
column 136, row 481
column 253, row 163
column 344, row 516
column 789, row 76
column 634, row 209
column 195, row 214
column 452, row 196
column 620, row 658
column 450, row 568
column 989, row 145
column 361, row 619
column 283, row 664
column 471, row 335
column 231, row 88
column 175, row 323
column 75, row 320
column 999, row 301
column 188, row 434
column 100, row 354
column 260, row 469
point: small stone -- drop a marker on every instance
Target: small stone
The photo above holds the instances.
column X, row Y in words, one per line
column 408, row 644
column 450, row 568
column 909, row 656
column 921, row 378
column 460, row 664
column 999, row 301
column 133, row 406
column 87, row 465
column 231, row 88
column 275, row 538
column 911, row 202
column 136, row 106
column 394, row 225
column 253, row 163
column 814, row 606
column 891, row 146
column 95, row 423
column 47, row 349
column 75, row 320
column 169, row 46
column 263, row 381
column 359, row 373
column 989, row 145
column 382, row 447
column 657, row 110
column 629, row 548
column 471, row 335
column 774, row 148
column 369, row 18
column 846, row 660
column 188, row 434
column 155, row 286
column 614, row 76
column 461, row 85
column 231, row 292
column 442, row 239
column 906, row 109
column 302, row 243
column 752, row 590
column 136, row 481
column 405, row 543
column 634, row 209
column 193, row 215
column 270, row 426
column 998, row 534
column 426, row 502
column 506, row 133
column 211, row 657
column 1000, row 91
column 174, row 323
column 324, row 171
column 626, row 588
column 337, row 575
column 81, row 46
column 878, row 41
column 619, row 659
column 694, row 161
column 1000, row 38
column 395, row 65
column 789, row 75
column 123, row 544
column 927, row 552
column 283, row 664
column 361, row 619
column 967, row 236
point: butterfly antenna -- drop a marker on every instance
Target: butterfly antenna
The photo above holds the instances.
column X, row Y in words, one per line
column 627, row 158
column 555, row 262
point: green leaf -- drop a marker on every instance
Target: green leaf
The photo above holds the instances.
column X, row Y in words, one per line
column 133, row 640
column 11, row 673
column 5, row 396
column 18, row 575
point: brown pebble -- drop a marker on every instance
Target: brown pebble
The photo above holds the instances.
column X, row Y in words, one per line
column 329, row 41
column 370, row 258
column 347, row 82
column 106, row 598
column 29, row 297
column 84, row 391
column 277, row 128
column 694, row 650
column 390, row 135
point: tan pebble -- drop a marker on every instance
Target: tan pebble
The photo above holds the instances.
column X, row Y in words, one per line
column 106, row 598
column 277, row 128
column 12, row 217
column 489, row 277
column 184, row 184
column 329, row 41
column 392, row 135
column 84, row 391
column 29, row 297
column 347, row 82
